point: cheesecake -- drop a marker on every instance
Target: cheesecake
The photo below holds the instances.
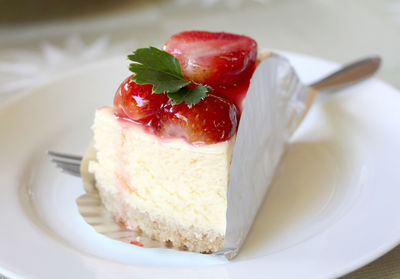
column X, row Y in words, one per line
column 163, row 158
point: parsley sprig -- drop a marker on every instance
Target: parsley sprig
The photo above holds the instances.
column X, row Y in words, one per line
column 163, row 71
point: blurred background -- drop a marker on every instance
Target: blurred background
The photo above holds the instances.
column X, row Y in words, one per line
column 40, row 39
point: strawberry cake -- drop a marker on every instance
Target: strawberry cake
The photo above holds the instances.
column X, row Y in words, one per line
column 163, row 150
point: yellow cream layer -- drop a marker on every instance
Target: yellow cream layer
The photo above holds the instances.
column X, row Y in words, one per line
column 167, row 179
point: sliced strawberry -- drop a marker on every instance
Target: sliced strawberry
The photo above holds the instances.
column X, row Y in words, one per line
column 137, row 101
column 216, row 59
column 212, row 120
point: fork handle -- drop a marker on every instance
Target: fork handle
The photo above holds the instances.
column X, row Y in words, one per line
column 349, row 74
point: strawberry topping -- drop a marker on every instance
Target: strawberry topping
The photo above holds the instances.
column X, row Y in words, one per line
column 223, row 61
column 217, row 59
column 136, row 101
column 212, row 120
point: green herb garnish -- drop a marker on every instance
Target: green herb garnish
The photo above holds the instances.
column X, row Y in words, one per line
column 163, row 71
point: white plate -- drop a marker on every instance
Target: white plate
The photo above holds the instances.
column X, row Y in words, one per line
column 333, row 206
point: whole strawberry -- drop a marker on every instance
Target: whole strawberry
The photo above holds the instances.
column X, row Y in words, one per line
column 212, row 120
column 137, row 101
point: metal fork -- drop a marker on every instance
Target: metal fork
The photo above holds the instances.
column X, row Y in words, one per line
column 70, row 164
column 345, row 76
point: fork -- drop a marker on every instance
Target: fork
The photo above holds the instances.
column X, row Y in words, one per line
column 70, row 164
column 345, row 76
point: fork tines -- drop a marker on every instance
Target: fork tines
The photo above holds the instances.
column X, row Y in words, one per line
column 70, row 164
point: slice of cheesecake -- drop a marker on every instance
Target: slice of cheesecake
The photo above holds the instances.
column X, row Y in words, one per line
column 163, row 168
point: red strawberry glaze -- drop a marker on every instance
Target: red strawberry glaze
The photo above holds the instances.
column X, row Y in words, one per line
column 235, row 94
column 137, row 243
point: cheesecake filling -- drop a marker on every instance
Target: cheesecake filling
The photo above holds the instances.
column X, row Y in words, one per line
column 172, row 190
